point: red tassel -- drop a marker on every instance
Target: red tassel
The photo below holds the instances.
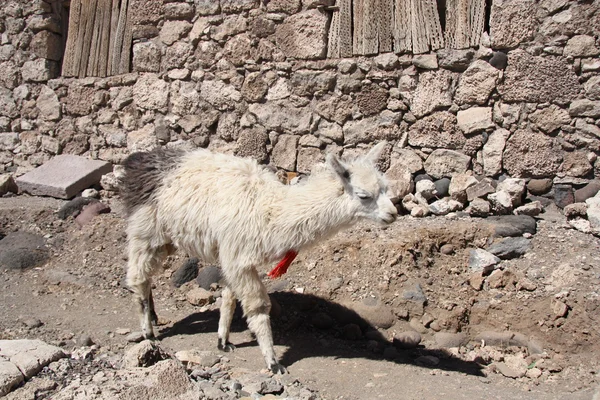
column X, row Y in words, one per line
column 283, row 265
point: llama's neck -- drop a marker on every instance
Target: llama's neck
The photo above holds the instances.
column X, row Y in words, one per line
column 313, row 211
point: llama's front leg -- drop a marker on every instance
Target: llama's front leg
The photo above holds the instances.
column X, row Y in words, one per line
column 227, row 310
column 256, row 304
column 142, row 293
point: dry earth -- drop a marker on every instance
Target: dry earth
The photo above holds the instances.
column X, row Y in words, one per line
column 412, row 276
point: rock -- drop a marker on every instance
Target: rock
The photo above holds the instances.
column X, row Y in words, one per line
column 445, row 206
column 386, row 61
column 400, row 182
column 515, row 189
column 501, row 279
column 414, row 292
column 531, row 154
column 74, row 207
column 476, row 83
column 559, row 309
column 90, row 211
column 425, row 61
column 476, row 280
column 173, row 31
column 312, row 44
column 550, row 119
column 493, row 150
column 7, row 184
column 581, row 46
column 322, row 321
column 429, row 361
column 186, row 273
column 90, row 193
column 40, row 70
column 549, row 79
column 432, row 92
column 526, row 284
column 539, row 187
column 135, row 337
column 407, row 340
column 592, row 88
column 499, row 60
column 220, row 95
column 459, row 184
column 511, row 23
column 146, row 57
column 22, row 250
column 150, row 92
column 208, row 276
column 426, row 189
column 581, row 195
column 29, row 356
column 448, row 340
column 442, row 187
column 10, row 377
column 178, row 11
column 510, row 247
column 480, row 190
column 205, row 359
column 479, row 208
column 199, row 297
column 454, row 59
column 593, row 212
column 408, row 158
column 144, row 354
column 532, row 209
column 501, row 202
column 48, row 104
column 508, row 371
column 446, row 163
column 575, row 164
column 475, row 119
column 482, row 260
column 563, row 195
column 533, row 373
column 582, row 225
column 447, row 249
column 371, row 99
column 585, row 108
column 575, row 210
column 438, row 130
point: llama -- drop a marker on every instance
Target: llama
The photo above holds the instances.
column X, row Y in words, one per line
column 231, row 210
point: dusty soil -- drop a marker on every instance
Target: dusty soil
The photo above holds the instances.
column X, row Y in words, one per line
column 79, row 292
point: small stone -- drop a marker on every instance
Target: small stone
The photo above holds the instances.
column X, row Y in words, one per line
column 515, row 189
column 559, row 309
column 199, row 297
column 7, row 184
column 207, row 276
column 499, row 60
column 510, row 247
column 351, row 332
column 480, row 190
column 425, row 61
column 32, row 323
column 563, row 195
column 581, row 195
column 482, row 260
column 426, row 189
column 135, row 337
column 205, row 359
column 532, row 209
column 501, row 202
column 533, row 373
column 447, row 249
column 144, row 354
column 476, row 280
column 539, row 187
column 526, row 284
column 442, row 186
column 575, row 210
column 122, row 331
column 93, row 193
column 84, row 341
column 479, row 208
column 429, row 361
column 186, row 273
column 407, row 340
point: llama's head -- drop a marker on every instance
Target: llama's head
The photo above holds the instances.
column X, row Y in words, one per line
column 365, row 185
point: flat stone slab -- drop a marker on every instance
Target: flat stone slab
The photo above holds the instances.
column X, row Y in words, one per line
column 29, row 356
column 63, row 176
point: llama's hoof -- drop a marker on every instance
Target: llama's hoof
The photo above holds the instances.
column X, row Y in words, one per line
column 227, row 347
column 278, row 369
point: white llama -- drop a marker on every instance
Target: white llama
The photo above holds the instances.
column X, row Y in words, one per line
column 233, row 211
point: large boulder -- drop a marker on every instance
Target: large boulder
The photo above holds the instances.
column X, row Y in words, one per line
column 531, row 154
column 538, row 79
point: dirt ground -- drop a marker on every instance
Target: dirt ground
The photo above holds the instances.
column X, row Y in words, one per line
column 79, row 292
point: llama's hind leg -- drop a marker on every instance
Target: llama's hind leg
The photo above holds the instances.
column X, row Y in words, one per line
column 227, row 310
column 256, row 304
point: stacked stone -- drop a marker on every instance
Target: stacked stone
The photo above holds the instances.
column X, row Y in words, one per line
column 252, row 79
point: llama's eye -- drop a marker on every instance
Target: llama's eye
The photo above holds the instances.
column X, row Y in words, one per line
column 364, row 196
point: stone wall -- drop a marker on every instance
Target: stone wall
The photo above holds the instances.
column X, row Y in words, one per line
column 250, row 77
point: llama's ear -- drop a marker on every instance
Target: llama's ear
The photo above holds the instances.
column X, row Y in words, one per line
column 338, row 166
column 374, row 154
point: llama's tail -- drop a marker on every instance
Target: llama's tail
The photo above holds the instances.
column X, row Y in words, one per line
column 144, row 174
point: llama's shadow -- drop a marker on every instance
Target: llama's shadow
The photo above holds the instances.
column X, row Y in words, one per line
column 294, row 326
